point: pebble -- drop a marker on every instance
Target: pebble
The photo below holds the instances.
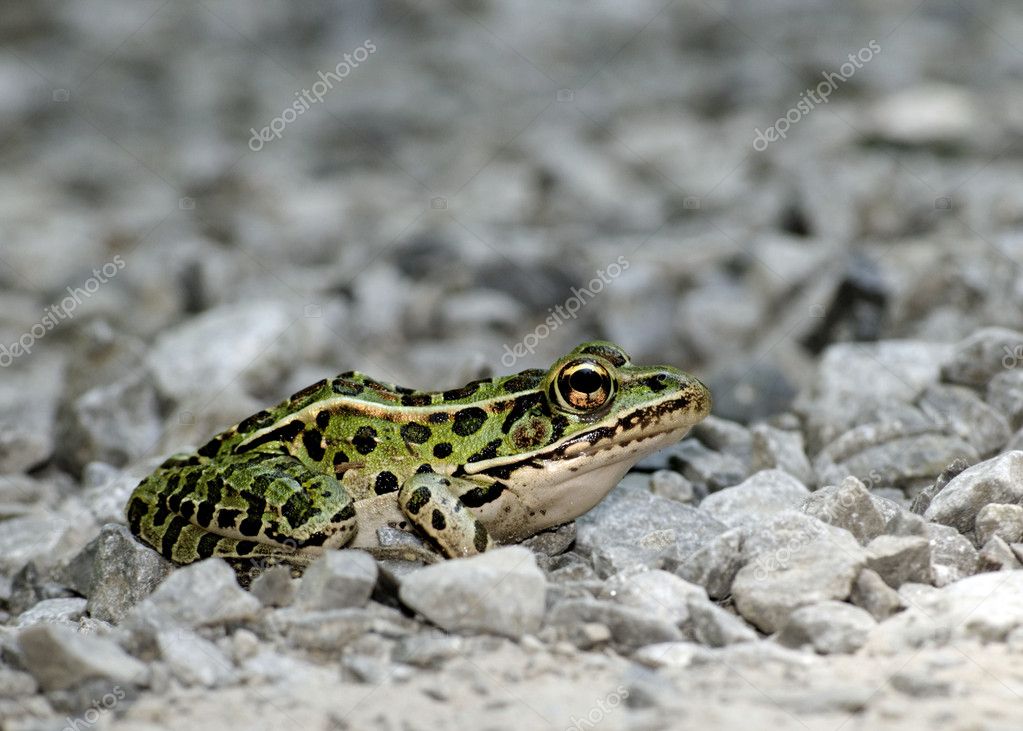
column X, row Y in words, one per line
column 983, row 355
column 960, row 411
column 829, row 627
column 726, row 436
column 953, row 556
column 337, row 580
column 781, row 449
column 794, row 560
column 672, row 485
column 275, row 587
column 997, row 480
column 204, row 593
column 898, row 559
column 121, row 573
column 763, row 494
column 66, row 611
column 847, row 506
column 999, row 519
column 715, row 565
column 1005, row 394
column 706, row 467
column 194, row 660
column 45, row 539
column 501, row 592
column 657, row 593
column 714, row 626
column 629, row 628
column 997, row 555
column 870, row 592
column 59, row 657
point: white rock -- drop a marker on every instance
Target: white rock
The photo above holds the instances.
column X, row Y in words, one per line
column 655, row 592
column 336, row 580
column 997, row 480
column 59, row 657
column 192, row 659
column 202, row 593
column 763, row 494
column 829, row 627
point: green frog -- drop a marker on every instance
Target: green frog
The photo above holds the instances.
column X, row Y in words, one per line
column 494, row 461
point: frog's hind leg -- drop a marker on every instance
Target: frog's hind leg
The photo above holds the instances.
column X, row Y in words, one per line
column 242, row 506
column 430, row 502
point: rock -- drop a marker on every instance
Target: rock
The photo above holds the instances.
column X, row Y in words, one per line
column 60, row 658
column 331, row 630
column 255, row 342
column 923, row 498
column 501, row 591
column 553, row 541
column 847, row 506
column 783, row 450
column 763, row 494
column 999, row 519
column 715, row 565
column 1005, row 394
column 715, row 627
column 201, row 594
column 931, row 114
column 725, row 436
column 960, row 411
column 713, row 470
column 53, row 611
column 953, row 557
column 632, row 527
column 667, row 654
column 629, row 627
column 337, row 580
column 996, row 555
column 870, row 592
column 898, row 559
column 122, row 573
column 997, row 480
column 794, row 560
column 428, row 651
column 986, row 608
column 657, row 593
column 672, row 485
column 275, row 587
column 983, row 355
column 44, row 538
column 192, row 659
column 829, row 627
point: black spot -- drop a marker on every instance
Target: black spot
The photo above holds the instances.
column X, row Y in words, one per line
column 479, row 496
column 524, row 381
column 438, row 417
column 286, row 433
column 227, row 517
column 137, row 510
column 211, row 448
column 170, row 537
column 244, row 548
column 345, row 513
column 480, row 539
column 655, row 383
column 345, row 387
column 364, row 440
column 214, row 493
column 465, row 391
column 424, row 469
column 558, row 423
column 323, row 419
column 488, row 452
column 204, row 514
column 437, row 520
column 386, row 482
column 416, row 399
column 187, row 509
column 207, row 545
column 250, row 526
column 419, row 497
column 256, row 421
column 442, row 450
column 468, row 421
column 316, row 539
column 522, row 406
column 415, row 433
column 308, row 391
column 340, row 459
column 298, row 509
column 312, row 440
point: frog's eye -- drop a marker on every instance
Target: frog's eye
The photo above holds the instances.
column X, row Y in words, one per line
column 583, row 385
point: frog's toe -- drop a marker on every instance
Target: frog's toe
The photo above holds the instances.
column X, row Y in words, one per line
column 431, row 503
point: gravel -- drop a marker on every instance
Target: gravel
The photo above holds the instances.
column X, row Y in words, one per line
column 336, row 580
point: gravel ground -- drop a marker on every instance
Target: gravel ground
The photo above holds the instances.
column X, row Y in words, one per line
column 816, row 207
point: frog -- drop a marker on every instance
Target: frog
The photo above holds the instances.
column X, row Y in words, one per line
column 462, row 470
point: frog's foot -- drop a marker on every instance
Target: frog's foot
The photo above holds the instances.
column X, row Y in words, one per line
column 247, row 506
column 430, row 502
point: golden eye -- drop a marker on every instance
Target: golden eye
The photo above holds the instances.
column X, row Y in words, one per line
column 583, row 385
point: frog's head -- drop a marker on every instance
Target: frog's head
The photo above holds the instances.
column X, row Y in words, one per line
column 605, row 414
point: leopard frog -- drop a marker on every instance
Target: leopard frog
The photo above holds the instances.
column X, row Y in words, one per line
column 494, row 461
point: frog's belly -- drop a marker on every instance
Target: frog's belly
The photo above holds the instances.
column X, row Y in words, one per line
column 373, row 513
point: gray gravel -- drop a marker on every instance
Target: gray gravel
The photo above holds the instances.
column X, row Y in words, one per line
column 839, row 546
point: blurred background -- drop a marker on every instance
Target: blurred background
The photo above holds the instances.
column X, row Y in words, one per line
column 208, row 205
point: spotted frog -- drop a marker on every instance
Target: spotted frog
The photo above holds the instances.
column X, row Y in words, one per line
column 494, row 461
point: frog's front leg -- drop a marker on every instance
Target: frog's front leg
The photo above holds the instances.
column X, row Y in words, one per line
column 431, row 503
column 242, row 506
